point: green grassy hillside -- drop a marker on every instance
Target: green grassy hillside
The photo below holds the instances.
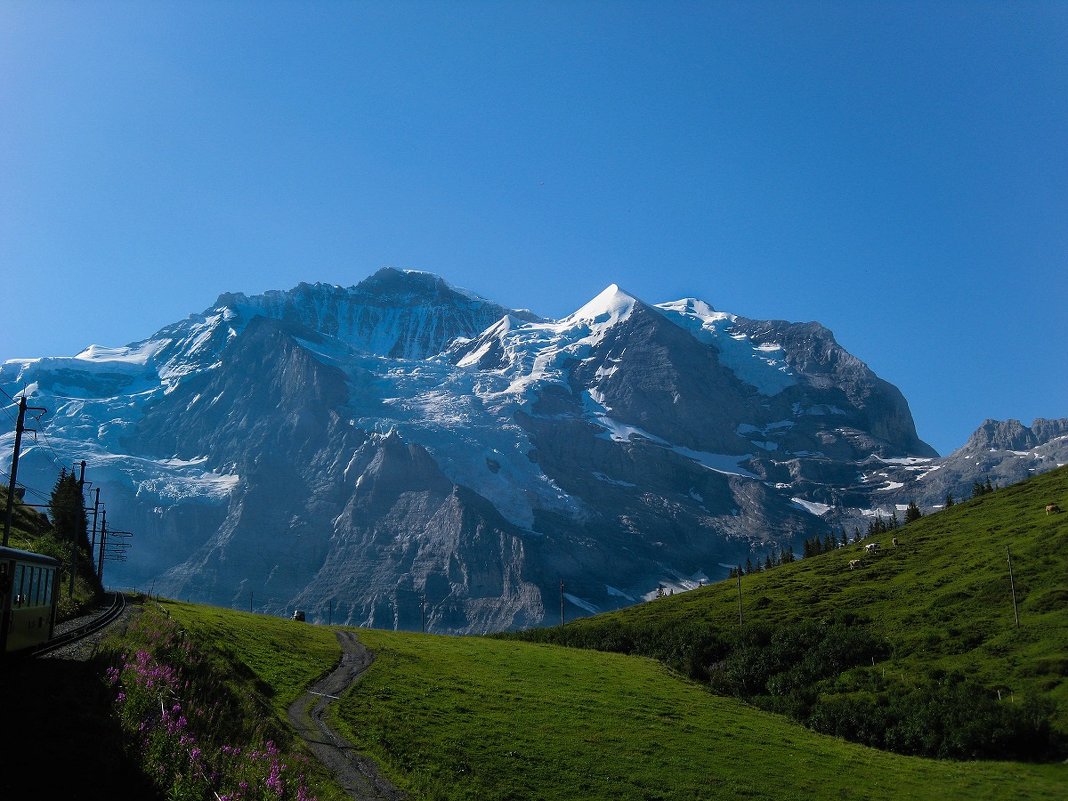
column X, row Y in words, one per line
column 480, row 718
column 938, row 606
column 477, row 718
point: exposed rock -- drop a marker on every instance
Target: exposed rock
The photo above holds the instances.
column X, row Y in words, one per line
column 403, row 453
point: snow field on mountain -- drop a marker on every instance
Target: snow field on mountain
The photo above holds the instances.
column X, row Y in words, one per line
column 760, row 365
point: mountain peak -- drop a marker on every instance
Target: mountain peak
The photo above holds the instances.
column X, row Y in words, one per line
column 611, row 305
column 414, row 285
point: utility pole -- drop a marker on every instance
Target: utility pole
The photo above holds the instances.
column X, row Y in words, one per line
column 96, row 510
column 19, row 428
column 1012, row 584
column 76, row 535
column 103, row 540
column 561, row 602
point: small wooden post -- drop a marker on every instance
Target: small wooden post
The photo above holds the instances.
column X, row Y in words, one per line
column 1012, row 584
column 739, row 595
column 561, row 602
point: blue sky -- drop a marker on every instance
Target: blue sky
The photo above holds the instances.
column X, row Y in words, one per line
column 897, row 171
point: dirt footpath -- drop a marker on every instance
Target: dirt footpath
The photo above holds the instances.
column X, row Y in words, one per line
column 355, row 773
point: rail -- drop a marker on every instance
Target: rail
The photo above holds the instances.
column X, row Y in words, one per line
column 118, row 604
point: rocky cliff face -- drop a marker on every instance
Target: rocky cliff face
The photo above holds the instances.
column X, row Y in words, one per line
column 402, row 453
column 1003, row 451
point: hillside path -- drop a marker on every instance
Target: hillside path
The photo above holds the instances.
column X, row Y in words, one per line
column 356, row 773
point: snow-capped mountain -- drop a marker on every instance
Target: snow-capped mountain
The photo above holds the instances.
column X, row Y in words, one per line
column 402, row 447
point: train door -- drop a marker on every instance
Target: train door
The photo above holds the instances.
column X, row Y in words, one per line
column 5, row 602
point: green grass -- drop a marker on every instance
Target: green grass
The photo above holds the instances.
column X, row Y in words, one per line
column 477, row 718
column 283, row 656
column 264, row 663
column 941, row 598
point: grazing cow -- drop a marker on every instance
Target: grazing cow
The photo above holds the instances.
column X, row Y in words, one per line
column 854, row 564
column 894, row 540
column 871, row 547
column 1051, row 508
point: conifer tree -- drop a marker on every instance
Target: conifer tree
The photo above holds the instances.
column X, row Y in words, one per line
column 949, row 500
column 69, row 520
column 912, row 512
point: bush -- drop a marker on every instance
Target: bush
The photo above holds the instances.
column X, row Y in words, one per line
column 947, row 717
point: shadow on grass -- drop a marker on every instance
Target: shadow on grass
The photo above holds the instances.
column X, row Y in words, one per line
column 60, row 738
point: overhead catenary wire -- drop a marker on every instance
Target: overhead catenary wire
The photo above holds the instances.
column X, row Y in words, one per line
column 7, row 411
column 57, row 460
column 31, row 490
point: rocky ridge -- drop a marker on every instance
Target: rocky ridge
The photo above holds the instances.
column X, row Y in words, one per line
column 403, row 453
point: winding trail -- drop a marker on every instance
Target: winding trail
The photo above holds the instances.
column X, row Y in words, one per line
column 357, row 774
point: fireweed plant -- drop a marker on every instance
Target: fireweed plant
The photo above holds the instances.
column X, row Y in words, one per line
column 195, row 737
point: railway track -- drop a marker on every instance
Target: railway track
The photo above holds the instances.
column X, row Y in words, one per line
column 91, row 626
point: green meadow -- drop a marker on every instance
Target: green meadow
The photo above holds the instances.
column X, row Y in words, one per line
column 941, row 600
column 478, row 718
column 481, row 718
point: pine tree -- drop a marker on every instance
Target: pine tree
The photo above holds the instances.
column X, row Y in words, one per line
column 748, row 566
column 856, row 534
column 949, row 500
column 69, row 520
column 912, row 512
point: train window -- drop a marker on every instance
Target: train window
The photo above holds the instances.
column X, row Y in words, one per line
column 38, row 582
column 31, row 590
column 48, row 581
column 16, row 586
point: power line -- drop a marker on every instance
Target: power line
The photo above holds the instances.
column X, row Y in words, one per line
column 57, row 460
column 30, row 490
column 8, row 413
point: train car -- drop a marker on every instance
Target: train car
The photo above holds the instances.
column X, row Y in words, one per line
column 29, row 591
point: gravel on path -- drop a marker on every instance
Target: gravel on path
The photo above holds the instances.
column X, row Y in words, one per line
column 356, row 773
